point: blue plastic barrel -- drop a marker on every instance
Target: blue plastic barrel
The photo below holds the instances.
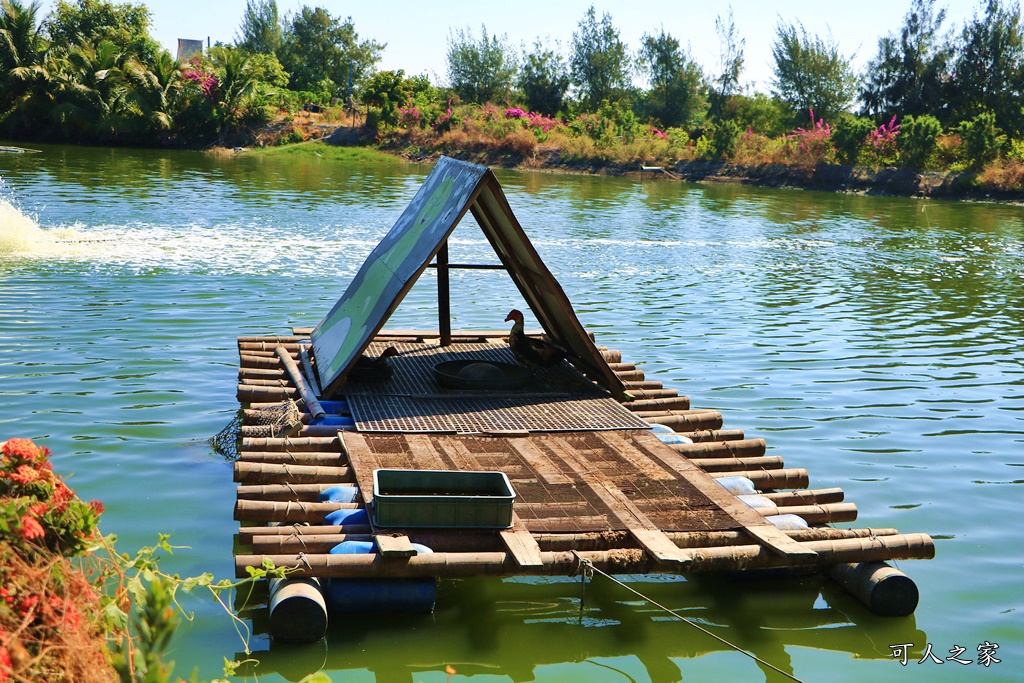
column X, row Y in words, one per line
column 343, row 517
column 334, row 421
column 339, row 494
column 378, row 595
column 336, row 407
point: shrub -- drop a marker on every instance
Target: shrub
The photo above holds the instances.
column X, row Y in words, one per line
column 1003, row 176
column 812, row 145
column 849, row 136
column 756, row 149
column 880, row 148
column 982, row 139
column 918, row 140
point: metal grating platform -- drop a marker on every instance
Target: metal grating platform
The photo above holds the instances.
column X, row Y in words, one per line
column 557, row 399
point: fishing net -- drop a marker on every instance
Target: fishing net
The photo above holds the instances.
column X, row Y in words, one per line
column 276, row 421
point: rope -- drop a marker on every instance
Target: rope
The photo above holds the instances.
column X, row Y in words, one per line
column 588, row 568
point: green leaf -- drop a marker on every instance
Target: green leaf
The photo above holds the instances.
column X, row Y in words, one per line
column 318, row 677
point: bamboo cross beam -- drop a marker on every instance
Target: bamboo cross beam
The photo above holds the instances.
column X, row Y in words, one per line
column 464, row 565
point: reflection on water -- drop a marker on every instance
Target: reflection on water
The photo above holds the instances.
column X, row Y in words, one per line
column 484, row 627
column 874, row 341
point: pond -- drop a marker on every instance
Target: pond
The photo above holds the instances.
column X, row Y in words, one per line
column 876, row 342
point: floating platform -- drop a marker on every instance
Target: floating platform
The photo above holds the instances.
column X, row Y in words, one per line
column 602, row 468
column 614, row 494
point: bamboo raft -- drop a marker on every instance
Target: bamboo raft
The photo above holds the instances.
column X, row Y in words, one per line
column 621, row 500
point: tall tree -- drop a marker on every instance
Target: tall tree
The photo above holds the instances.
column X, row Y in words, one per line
column 730, row 63
column 320, row 52
column 480, row 70
column 676, row 79
column 811, row 73
column 260, row 32
column 989, row 66
column 126, row 25
column 599, row 60
column 544, row 79
column 906, row 76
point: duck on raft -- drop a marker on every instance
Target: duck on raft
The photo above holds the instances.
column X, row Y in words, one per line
column 370, row 369
column 531, row 351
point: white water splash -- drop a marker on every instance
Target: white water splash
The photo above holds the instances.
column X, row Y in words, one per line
column 20, row 235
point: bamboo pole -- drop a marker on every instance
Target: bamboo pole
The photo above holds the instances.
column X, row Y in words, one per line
column 792, row 478
column 630, row 375
column 249, row 361
column 267, row 345
column 286, row 511
column 250, row 393
column 825, row 513
column 641, row 394
column 308, row 397
column 739, row 448
column 276, row 381
column 247, row 533
column 295, row 458
column 285, row 492
column 833, row 495
column 274, row 339
column 292, row 443
column 645, row 384
column 263, row 473
column 314, row 539
column 245, row 374
column 632, row 561
column 689, row 421
column 664, row 403
column 768, row 462
column 704, row 436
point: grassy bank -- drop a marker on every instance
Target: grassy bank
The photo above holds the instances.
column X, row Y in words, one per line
column 759, row 161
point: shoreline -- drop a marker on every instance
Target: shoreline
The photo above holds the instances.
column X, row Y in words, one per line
column 838, row 178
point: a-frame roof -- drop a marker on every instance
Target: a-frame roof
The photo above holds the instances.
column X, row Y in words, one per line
column 452, row 188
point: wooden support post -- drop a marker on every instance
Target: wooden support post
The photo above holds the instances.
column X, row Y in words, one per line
column 444, row 302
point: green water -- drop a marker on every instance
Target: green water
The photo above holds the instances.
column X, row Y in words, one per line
column 874, row 341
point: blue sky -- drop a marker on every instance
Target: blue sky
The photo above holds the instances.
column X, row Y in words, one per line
column 416, row 33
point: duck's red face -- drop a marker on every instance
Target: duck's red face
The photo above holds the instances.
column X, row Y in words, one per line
column 514, row 314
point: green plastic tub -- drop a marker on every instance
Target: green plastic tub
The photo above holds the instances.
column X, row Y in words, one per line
column 448, row 499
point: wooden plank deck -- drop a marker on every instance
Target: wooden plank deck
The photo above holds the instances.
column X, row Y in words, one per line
column 622, row 499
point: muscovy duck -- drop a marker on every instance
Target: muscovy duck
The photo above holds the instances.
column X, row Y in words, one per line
column 530, row 351
column 369, row 369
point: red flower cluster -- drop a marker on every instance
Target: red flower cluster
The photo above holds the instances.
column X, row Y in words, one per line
column 40, row 508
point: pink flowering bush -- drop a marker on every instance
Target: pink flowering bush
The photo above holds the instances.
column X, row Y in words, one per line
column 206, row 81
column 880, row 148
column 813, row 145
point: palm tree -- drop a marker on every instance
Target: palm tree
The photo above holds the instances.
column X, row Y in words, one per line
column 236, row 89
column 22, row 51
column 148, row 93
column 86, row 89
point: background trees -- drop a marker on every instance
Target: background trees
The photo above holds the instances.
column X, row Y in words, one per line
column 810, row 73
column 989, row 66
column 89, row 71
column 599, row 60
column 544, row 79
column 906, row 75
column 322, row 53
column 480, row 70
column 260, row 32
column 675, row 97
